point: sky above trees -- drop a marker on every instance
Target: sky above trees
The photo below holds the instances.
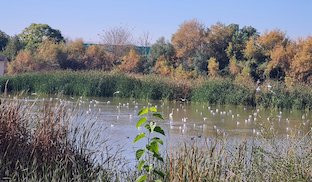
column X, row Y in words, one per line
column 87, row 19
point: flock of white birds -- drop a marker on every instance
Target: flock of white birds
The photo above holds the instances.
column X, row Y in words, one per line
column 186, row 117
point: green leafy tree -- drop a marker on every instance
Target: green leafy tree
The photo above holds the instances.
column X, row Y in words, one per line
column 33, row 35
column 4, row 38
column 161, row 48
column 151, row 152
column 12, row 48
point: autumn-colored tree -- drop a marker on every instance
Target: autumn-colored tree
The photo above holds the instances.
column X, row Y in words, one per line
column 24, row 62
column 49, row 54
column 233, row 67
column 75, row 51
column 130, row 62
column 253, row 50
column 180, row 73
column 188, row 38
column 244, row 78
column 269, row 40
column 161, row 67
column 98, row 58
column 213, row 67
column 301, row 66
column 280, row 60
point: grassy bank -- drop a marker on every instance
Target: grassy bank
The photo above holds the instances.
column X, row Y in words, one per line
column 105, row 84
column 101, row 84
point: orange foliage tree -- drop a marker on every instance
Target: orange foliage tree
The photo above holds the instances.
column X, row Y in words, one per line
column 280, row 60
column 301, row 66
column 24, row 62
column 188, row 38
column 98, row 58
column 233, row 67
column 213, row 67
column 161, row 66
column 130, row 62
column 49, row 54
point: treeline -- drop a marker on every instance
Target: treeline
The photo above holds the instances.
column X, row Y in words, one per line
column 194, row 51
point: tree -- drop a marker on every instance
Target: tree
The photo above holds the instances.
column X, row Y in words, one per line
column 162, row 67
column 253, row 50
column 4, row 38
column 75, row 51
column 218, row 40
column 13, row 46
column 213, row 67
column 239, row 39
column 188, row 38
column 233, row 67
column 161, row 48
column 301, row 66
column 33, row 35
column 117, row 40
column 280, row 59
column 49, row 54
column 24, row 62
column 271, row 39
column 130, row 62
column 97, row 58
column 244, row 78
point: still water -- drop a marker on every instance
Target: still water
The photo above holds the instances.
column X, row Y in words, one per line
column 115, row 119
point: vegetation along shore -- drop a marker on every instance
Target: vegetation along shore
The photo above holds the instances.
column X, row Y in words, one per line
column 113, row 84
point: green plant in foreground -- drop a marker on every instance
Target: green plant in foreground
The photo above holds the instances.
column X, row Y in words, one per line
column 150, row 153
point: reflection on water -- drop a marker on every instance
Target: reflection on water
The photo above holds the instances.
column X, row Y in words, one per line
column 117, row 118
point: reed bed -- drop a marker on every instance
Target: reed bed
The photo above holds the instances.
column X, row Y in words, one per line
column 39, row 143
column 155, row 87
column 260, row 160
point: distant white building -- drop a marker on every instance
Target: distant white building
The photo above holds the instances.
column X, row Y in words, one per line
column 3, row 65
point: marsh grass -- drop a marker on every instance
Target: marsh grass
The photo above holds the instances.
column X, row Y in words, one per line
column 155, row 87
column 264, row 158
column 38, row 143
column 96, row 83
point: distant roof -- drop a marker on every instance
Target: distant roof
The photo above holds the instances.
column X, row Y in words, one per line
column 3, row 58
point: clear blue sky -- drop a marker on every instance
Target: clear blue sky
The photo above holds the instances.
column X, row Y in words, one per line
column 87, row 18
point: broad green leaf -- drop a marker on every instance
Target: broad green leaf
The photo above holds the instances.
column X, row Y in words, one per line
column 139, row 137
column 153, row 109
column 141, row 178
column 153, row 147
column 141, row 164
column 158, row 115
column 160, row 173
column 158, row 140
column 158, row 129
column 139, row 153
column 140, row 122
column 143, row 111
